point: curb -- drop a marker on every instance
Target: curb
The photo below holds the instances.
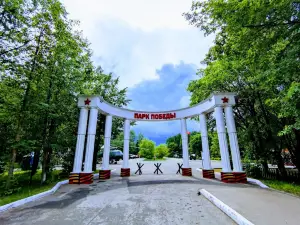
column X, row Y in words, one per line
column 32, row 198
column 235, row 216
column 37, row 196
column 250, row 180
column 257, row 182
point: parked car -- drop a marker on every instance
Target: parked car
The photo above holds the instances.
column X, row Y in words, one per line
column 132, row 156
column 192, row 156
column 115, row 156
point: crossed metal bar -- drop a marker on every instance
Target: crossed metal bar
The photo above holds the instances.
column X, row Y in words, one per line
column 157, row 168
column 179, row 168
column 140, row 165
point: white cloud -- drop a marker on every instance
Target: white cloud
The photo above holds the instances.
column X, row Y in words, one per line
column 185, row 101
column 142, row 14
column 133, row 38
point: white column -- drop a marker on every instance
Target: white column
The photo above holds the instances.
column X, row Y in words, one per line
column 185, row 149
column 80, row 140
column 222, row 139
column 107, row 136
column 234, row 146
column 89, row 153
column 126, row 143
column 205, row 145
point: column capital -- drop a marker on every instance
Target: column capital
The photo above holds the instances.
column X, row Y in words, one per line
column 224, row 99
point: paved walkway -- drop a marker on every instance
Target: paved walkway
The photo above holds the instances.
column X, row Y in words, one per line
column 260, row 206
column 147, row 199
column 156, row 199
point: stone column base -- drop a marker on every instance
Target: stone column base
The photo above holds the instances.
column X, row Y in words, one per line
column 81, row 178
column 210, row 174
column 240, row 177
column 104, row 174
column 187, row 172
column 227, row 177
column 125, row 172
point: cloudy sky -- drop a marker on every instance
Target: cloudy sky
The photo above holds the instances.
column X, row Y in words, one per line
column 151, row 47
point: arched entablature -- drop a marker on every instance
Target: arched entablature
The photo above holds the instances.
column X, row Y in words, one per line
column 206, row 106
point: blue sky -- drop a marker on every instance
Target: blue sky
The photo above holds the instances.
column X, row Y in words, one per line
column 151, row 47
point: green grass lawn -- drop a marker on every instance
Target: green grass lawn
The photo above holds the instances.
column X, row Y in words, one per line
column 283, row 186
column 162, row 159
column 21, row 188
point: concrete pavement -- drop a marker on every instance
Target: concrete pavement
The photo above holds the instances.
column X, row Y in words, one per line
column 146, row 199
column 260, row 206
column 156, row 199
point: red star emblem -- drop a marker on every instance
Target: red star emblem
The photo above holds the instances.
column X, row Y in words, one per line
column 225, row 100
column 87, row 101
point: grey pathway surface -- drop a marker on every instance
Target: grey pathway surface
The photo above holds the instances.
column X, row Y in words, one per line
column 156, row 199
column 146, row 199
column 260, row 206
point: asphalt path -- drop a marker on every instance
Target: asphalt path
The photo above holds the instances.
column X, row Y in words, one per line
column 139, row 199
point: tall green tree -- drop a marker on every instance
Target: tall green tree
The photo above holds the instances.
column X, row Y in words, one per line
column 256, row 55
column 195, row 145
column 135, row 150
column 45, row 64
column 174, row 145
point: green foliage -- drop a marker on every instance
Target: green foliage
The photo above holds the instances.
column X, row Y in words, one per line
column 283, row 186
column 119, row 141
column 195, row 145
column 2, row 165
column 214, row 145
column 256, row 55
column 45, row 63
column 137, row 144
column 68, row 161
column 20, row 186
column 147, row 148
column 174, row 145
column 156, row 159
column 161, row 151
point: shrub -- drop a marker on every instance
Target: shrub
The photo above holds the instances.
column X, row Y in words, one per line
column 161, row 151
column 147, row 148
column 68, row 161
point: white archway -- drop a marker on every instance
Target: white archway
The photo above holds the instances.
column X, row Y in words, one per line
column 217, row 102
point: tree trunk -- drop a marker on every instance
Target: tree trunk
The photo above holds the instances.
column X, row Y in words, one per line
column 297, row 150
column 11, row 168
column 46, row 161
column 280, row 165
column 22, row 109
column 265, row 166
